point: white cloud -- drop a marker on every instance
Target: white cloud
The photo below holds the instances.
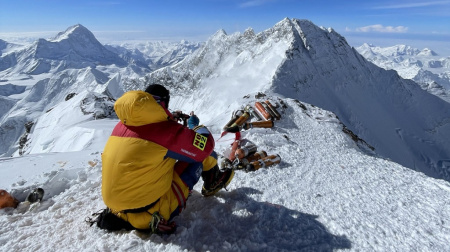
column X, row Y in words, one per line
column 381, row 28
column 414, row 5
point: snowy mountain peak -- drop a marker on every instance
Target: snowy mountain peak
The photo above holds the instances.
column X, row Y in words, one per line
column 219, row 34
column 333, row 76
column 76, row 48
column 427, row 52
column 249, row 32
column 318, row 41
column 75, row 32
column 76, row 44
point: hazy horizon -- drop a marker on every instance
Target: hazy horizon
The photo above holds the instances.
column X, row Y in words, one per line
column 416, row 23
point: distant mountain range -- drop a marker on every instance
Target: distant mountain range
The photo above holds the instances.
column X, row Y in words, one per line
column 430, row 70
column 154, row 55
column 77, row 48
column 294, row 59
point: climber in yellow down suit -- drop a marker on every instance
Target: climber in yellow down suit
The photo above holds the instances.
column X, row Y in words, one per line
column 151, row 163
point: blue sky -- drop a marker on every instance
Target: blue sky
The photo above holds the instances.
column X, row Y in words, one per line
column 418, row 23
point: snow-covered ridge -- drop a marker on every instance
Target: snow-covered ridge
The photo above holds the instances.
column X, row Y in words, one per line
column 300, row 60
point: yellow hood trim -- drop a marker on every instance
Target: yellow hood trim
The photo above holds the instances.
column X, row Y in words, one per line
column 137, row 108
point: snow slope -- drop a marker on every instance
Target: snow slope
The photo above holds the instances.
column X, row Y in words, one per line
column 325, row 195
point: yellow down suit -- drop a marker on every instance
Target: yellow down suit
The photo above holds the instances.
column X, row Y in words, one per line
column 145, row 159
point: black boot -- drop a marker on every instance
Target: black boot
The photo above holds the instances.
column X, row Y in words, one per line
column 215, row 179
column 36, row 195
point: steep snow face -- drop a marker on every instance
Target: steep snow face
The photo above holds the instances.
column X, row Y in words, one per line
column 403, row 122
column 425, row 67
